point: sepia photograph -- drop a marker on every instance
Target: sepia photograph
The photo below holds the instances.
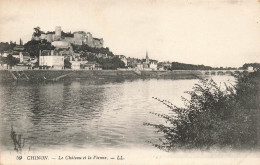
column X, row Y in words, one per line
column 172, row 82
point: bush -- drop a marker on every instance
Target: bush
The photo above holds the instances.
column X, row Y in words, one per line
column 214, row 117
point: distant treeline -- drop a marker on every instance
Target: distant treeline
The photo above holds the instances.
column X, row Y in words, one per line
column 182, row 66
column 254, row 65
column 5, row 46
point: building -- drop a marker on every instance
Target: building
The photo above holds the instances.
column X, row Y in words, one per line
column 250, row 69
column 147, row 64
column 5, row 54
column 16, row 54
column 92, row 66
column 50, row 60
column 57, row 36
column 75, row 65
column 24, row 57
column 98, row 42
column 20, row 53
column 4, row 66
column 153, row 64
column 61, row 44
column 22, row 66
column 140, row 66
column 77, row 38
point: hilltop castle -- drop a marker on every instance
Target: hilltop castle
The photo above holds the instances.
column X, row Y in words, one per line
column 77, row 38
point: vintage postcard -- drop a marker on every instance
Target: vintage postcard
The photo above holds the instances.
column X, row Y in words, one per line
column 129, row 82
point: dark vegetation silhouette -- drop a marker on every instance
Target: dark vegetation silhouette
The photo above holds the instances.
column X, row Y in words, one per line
column 213, row 117
column 183, row 66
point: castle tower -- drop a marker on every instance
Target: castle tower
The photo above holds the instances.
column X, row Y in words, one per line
column 89, row 39
column 147, row 58
column 57, row 33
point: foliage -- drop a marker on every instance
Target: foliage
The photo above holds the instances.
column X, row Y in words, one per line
column 37, row 32
column 181, row 66
column 254, row 65
column 5, row 46
column 67, row 64
column 214, row 117
column 90, row 54
column 64, row 34
column 33, row 47
column 9, row 60
column 86, row 48
column 113, row 63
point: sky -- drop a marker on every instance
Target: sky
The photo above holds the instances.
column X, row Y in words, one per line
column 209, row 32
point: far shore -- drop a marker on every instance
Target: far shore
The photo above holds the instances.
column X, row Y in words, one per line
column 59, row 75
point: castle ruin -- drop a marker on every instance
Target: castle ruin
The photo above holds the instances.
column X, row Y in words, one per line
column 77, row 38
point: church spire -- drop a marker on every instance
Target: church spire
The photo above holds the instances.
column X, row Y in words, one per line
column 147, row 58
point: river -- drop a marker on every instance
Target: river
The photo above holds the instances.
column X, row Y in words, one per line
column 84, row 114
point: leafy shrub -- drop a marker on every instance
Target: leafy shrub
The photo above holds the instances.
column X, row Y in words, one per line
column 214, row 117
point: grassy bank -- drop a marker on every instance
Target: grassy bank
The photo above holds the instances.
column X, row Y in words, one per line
column 42, row 75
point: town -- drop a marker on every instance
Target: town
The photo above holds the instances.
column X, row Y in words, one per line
column 59, row 50
column 79, row 50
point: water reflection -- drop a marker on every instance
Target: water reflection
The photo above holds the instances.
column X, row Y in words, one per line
column 17, row 140
column 85, row 113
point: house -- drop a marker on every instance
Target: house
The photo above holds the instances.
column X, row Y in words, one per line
column 22, row 66
column 153, row 64
column 5, row 54
column 139, row 66
column 20, row 53
column 4, row 66
column 16, row 54
column 49, row 60
column 92, row 66
column 75, row 65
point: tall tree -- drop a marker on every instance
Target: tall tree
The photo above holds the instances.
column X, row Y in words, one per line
column 37, row 31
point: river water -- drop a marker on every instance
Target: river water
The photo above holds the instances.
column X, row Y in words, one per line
column 82, row 114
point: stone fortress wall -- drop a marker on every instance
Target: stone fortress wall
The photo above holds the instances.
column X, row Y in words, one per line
column 79, row 38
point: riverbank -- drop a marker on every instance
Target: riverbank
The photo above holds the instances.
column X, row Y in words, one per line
column 59, row 75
